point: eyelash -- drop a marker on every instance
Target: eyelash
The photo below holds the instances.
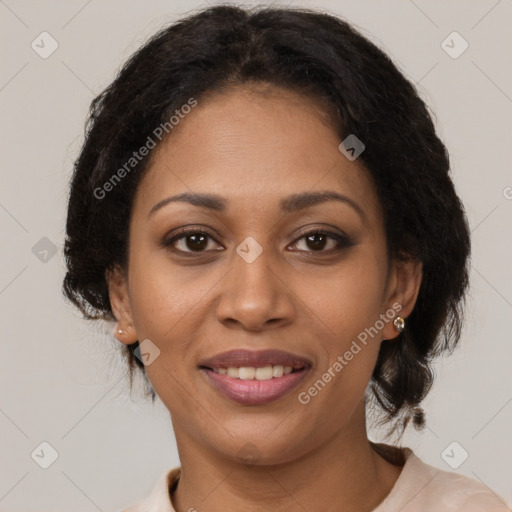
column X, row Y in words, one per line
column 343, row 241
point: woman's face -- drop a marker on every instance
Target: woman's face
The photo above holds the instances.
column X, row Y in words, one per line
column 253, row 276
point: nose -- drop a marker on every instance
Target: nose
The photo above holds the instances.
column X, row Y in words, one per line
column 255, row 296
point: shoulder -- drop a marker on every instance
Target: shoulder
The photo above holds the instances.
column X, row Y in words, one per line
column 430, row 489
column 464, row 494
column 159, row 497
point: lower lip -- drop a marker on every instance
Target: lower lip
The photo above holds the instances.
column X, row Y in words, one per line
column 254, row 392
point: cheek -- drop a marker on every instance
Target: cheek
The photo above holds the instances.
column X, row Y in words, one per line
column 164, row 302
column 350, row 297
column 168, row 307
column 349, row 304
column 163, row 294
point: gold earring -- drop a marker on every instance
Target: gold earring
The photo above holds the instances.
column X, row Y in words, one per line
column 399, row 323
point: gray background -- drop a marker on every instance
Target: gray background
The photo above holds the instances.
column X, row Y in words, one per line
column 60, row 379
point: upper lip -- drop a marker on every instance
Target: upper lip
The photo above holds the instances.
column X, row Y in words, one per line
column 255, row 359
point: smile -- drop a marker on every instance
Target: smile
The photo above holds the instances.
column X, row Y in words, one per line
column 255, row 378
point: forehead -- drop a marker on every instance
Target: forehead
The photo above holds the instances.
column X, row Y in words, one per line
column 253, row 143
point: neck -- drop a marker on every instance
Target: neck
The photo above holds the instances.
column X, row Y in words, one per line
column 344, row 470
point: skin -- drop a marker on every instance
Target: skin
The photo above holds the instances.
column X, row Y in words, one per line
column 254, row 145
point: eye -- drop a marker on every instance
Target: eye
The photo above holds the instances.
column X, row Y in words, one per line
column 190, row 241
column 320, row 240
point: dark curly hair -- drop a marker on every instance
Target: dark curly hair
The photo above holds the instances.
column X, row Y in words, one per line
column 325, row 58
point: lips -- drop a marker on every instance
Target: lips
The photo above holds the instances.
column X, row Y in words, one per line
column 255, row 391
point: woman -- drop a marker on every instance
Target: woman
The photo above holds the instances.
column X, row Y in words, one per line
column 264, row 208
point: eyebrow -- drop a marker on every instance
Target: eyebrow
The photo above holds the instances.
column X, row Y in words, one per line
column 290, row 204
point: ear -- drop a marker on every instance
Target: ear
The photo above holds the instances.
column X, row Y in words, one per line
column 120, row 303
column 402, row 291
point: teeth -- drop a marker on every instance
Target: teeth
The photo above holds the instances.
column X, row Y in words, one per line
column 277, row 371
column 251, row 373
column 246, row 373
column 233, row 372
column 264, row 373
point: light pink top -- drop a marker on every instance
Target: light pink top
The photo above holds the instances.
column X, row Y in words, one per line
column 419, row 488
